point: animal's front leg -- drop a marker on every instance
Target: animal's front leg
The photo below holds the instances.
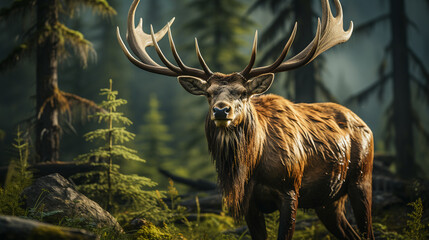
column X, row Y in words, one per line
column 256, row 222
column 288, row 207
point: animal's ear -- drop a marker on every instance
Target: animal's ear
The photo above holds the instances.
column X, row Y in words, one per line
column 193, row 85
column 259, row 84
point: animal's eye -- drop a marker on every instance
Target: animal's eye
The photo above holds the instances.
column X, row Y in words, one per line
column 243, row 94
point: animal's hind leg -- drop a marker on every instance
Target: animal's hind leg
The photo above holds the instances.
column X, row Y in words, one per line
column 360, row 193
column 332, row 216
column 360, row 199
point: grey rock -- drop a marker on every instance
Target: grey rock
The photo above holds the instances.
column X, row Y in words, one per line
column 54, row 199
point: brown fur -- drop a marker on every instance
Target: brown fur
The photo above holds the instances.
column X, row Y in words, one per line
column 278, row 155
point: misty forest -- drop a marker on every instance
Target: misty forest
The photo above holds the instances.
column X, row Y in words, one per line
column 94, row 147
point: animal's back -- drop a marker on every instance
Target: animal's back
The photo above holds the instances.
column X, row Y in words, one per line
column 322, row 146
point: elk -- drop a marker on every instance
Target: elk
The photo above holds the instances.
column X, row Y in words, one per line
column 271, row 154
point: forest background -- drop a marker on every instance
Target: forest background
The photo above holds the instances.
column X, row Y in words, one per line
column 168, row 122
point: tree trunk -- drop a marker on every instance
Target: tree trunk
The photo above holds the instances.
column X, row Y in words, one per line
column 402, row 114
column 47, row 126
column 305, row 83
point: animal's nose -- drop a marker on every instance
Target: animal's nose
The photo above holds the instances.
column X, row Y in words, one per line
column 221, row 113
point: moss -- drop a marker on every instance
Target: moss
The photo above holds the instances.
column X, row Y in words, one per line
column 54, row 232
column 150, row 231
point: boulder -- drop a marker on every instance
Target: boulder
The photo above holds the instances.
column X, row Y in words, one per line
column 55, row 200
column 12, row 228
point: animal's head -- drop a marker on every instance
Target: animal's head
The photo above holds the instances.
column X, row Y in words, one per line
column 227, row 94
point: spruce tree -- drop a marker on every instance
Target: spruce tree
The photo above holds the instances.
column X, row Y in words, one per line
column 18, row 177
column 153, row 138
column 220, row 26
column 112, row 150
column 153, row 135
column 401, row 66
column 48, row 36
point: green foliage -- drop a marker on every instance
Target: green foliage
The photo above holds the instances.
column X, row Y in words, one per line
column 124, row 192
column 385, row 233
column 153, row 138
column 114, row 134
column 18, row 177
column 220, row 25
column 68, row 38
column 153, row 135
column 415, row 229
column 129, row 193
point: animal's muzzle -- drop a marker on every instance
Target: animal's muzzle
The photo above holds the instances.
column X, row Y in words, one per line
column 221, row 113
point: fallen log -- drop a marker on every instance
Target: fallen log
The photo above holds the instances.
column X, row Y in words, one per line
column 12, row 228
column 209, row 204
column 199, row 184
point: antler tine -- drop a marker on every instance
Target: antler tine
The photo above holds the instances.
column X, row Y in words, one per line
column 249, row 66
column 332, row 28
column 151, row 68
column 305, row 56
column 175, row 53
column 160, row 54
column 329, row 33
column 279, row 60
column 201, row 59
column 139, row 40
column 186, row 69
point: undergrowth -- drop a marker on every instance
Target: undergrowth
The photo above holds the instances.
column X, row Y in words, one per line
column 18, row 177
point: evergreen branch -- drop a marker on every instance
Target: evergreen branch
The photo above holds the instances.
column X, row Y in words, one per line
column 412, row 24
column 419, row 125
column 420, row 65
column 382, row 68
column 364, row 94
column 15, row 56
column 422, row 89
column 119, row 135
column 257, row 4
column 368, row 26
column 115, row 116
column 81, row 47
column 113, row 104
column 56, row 100
column 273, row 51
column 99, row 6
column 17, row 7
column 126, row 153
column 82, row 102
column 389, row 128
column 275, row 26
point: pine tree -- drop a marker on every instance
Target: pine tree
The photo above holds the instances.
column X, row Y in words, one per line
column 305, row 81
column 153, row 138
column 51, row 39
column 219, row 26
column 402, row 118
column 112, row 150
column 18, row 177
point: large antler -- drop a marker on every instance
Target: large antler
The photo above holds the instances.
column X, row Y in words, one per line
column 139, row 40
column 329, row 33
